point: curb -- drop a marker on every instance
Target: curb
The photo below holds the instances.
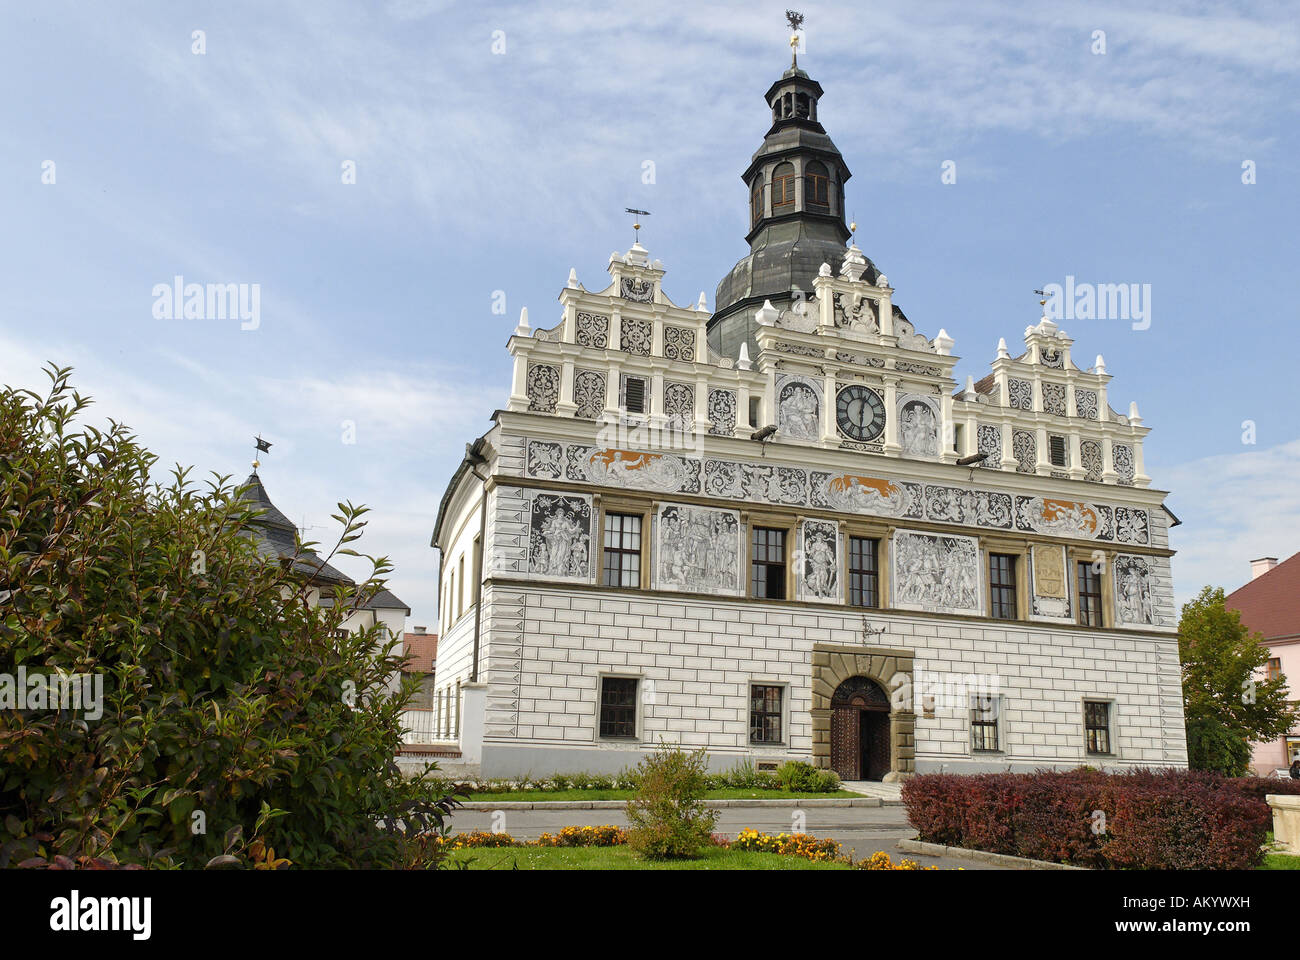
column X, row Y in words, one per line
column 981, row 856
column 488, row 806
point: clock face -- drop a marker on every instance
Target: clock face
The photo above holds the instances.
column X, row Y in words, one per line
column 860, row 412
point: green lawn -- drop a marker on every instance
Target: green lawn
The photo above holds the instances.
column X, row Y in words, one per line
column 730, row 793
column 622, row 858
column 1280, row 861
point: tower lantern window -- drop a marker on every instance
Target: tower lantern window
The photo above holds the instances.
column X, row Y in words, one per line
column 783, row 178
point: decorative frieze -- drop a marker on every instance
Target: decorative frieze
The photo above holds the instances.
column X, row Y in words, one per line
column 1024, row 447
column 1092, row 460
column 592, row 330
column 679, row 343
column 1085, row 403
column 1123, row 455
column 679, row 405
column 588, row 394
column 798, row 408
column 918, row 425
column 1054, row 398
column 722, row 412
column 543, row 387
column 636, row 334
column 1020, row 394
column 638, row 291
column 988, row 440
column 843, row 492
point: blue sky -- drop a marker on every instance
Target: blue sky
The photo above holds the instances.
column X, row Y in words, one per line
column 479, row 171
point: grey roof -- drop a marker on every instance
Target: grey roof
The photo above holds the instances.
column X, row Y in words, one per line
column 275, row 536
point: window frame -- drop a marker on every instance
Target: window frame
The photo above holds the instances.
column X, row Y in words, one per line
column 1100, row 594
column 853, row 572
column 1109, row 728
column 983, row 725
column 606, row 514
column 783, row 186
column 786, row 529
column 634, row 707
column 997, row 591
column 782, row 700
column 811, row 181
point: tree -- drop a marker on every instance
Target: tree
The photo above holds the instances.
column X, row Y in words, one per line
column 238, row 724
column 1227, row 706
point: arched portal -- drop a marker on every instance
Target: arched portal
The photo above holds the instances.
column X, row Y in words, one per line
column 860, row 740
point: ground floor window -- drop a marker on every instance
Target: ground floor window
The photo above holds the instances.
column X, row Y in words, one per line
column 618, row 707
column 984, row 709
column 1096, row 725
column 765, row 713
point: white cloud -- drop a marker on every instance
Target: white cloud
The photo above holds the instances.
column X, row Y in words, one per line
column 1235, row 508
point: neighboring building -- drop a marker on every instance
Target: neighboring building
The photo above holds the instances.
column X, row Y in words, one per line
column 275, row 532
column 420, row 652
column 762, row 531
column 1270, row 605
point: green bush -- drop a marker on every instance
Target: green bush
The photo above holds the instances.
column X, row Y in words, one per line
column 240, row 725
column 798, row 777
column 667, row 817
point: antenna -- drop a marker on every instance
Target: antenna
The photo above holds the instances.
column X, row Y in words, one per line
column 636, row 224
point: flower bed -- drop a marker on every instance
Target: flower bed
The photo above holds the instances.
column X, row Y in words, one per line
column 1145, row 819
column 749, row 840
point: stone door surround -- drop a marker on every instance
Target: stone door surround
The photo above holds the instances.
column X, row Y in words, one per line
column 890, row 667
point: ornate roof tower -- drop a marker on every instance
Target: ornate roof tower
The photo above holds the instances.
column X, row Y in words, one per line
column 795, row 183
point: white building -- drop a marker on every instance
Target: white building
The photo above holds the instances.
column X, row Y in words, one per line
column 762, row 532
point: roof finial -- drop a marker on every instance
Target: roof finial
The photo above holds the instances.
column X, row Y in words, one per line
column 795, row 19
column 263, row 446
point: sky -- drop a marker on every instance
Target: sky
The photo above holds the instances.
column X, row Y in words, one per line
column 383, row 174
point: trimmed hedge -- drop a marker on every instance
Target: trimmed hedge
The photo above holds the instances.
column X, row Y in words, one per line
column 1148, row 820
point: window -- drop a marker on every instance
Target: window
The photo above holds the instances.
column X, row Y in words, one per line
column 622, row 550
column 618, row 707
column 755, row 411
column 756, row 200
column 1089, row 594
column 634, row 394
column 783, row 188
column 1274, row 668
column 765, row 713
column 1002, row 586
column 1096, row 725
column 864, row 572
column 816, row 186
column 1057, row 451
column 984, row 710
column 768, row 572
column 460, row 595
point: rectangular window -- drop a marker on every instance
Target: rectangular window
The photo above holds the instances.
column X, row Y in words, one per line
column 1089, row 594
column 816, row 190
column 1096, row 725
column 618, row 707
column 755, row 410
column 622, row 550
column 1057, row 452
column 984, row 710
column 1274, row 668
column 634, row 394
column 1002, row 586
column 765, row 713
column 864, row 572
column 768, row 568
column 460, row 594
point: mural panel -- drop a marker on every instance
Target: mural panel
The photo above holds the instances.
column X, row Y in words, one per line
column 819, row 561
column 698, row 550
column 559, row 536
column 936, row 573
column 1051, row 595
column 1133, row 603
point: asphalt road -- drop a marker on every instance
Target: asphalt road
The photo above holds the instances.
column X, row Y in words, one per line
column 864, row 830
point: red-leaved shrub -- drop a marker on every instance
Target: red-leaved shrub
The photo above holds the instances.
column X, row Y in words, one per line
column 1141, row 820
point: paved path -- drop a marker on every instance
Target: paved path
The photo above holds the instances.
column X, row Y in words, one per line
column 864, row 830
